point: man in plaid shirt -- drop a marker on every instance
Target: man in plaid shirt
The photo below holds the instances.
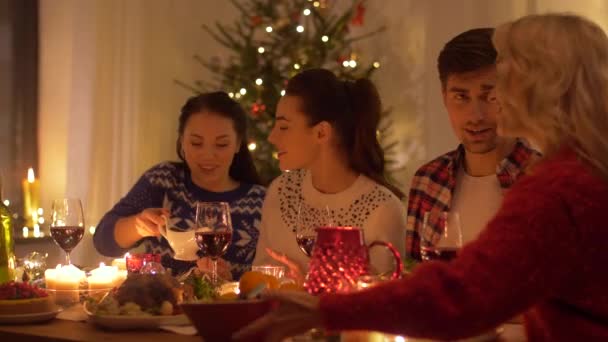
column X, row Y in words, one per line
column 471, row 179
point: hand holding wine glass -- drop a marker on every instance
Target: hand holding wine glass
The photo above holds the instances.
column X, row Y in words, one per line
column 447, row 237
column 213, row 231
column 67, row 224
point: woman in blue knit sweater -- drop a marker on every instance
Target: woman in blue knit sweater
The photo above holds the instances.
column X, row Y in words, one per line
column 215, row 166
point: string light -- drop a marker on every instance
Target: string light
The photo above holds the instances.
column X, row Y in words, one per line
column 92, row 230
column 316, row 4
column 40, row 212
column 300, row 28
column 325, row 39
column 237, row 96
column 376, row 65
column 7, row 202
column 259, row 81
column 41, row 220
column 345, row 64
column 268, row 29
column 283, row 92
column 306, row 11
column 243, row 91
column 231, row 94
column 261, row 50
column 352, row 63
column 252, row 146
column 296, row 66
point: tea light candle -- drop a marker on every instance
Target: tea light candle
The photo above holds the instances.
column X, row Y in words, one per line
column 120, row 263
column 103, row 277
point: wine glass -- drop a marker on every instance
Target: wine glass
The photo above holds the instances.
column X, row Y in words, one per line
column 305, row 231
column 442, row 236
column 213, row 231
column 67, row 224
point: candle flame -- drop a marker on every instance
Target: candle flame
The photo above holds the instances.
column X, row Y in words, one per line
column 30, row 175
column 101, row 264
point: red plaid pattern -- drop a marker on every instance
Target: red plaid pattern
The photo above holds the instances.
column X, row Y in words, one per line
column 434, row 183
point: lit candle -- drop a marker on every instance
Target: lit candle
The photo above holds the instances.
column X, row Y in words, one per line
column 30, row 197
column 121, row 263
column 64, row 281
column 103, row 277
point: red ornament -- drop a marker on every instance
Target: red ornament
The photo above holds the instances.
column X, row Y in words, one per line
column 359, row 15
column 256, row 20
column 257, row 109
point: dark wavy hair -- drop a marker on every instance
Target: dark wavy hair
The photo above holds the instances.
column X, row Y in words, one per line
column 242, row 168
column 468, row 51
column 353, row 109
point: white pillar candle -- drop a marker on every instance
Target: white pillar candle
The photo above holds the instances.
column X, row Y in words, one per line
column 103, row 277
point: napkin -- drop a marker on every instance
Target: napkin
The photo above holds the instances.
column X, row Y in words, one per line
column 73, row 313
column 180, row 329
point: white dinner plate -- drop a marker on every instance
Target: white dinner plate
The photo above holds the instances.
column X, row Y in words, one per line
column 29, row 318
column 120, row 322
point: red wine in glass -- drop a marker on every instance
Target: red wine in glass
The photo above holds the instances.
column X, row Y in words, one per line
column 438, row 253
column 67, row 237
column 306, row 243
column 213, row 244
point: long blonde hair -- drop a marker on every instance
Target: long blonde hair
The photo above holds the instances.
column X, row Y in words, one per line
column 553, row 82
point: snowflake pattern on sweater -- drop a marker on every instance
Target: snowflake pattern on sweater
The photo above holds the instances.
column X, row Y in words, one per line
column 169, row 185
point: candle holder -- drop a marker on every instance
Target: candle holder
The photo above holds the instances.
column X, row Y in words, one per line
column 136, row 261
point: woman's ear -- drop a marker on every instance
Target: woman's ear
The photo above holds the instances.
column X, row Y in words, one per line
column 323, row 131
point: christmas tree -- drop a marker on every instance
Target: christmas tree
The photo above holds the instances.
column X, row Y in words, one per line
column 272, row 41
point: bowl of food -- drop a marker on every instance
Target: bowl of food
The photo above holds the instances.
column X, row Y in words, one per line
column 230, row 307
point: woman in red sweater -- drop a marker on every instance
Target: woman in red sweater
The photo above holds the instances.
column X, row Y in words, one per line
column 545, row 254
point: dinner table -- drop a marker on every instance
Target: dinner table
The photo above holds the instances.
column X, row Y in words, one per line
column 67, row 330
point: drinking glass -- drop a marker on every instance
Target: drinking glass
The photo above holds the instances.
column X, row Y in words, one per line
column 305, row 230
column 442, row 236
column 67, row 224
column 213, row 231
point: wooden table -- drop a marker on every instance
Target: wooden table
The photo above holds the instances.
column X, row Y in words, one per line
column 61, row 330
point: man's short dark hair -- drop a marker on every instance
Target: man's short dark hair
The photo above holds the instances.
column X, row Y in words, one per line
column 468, row 51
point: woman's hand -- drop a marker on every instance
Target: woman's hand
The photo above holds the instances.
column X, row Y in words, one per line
column 149, row 221
column 297, row 313
column 223, row 267
column 294, row 271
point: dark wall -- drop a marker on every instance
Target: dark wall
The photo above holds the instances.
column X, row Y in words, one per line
column 18, row 94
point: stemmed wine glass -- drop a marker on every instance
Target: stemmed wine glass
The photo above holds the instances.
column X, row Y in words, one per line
column 441, row 236
column 305, row 231
column 67, row 224
column 213, row 231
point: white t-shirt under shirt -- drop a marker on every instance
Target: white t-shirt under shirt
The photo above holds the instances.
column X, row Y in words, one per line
column 365, row 204
column 476, row 200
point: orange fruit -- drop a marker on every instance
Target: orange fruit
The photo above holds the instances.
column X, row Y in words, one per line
column 291, row 287
column 271, row 282
column 229, row 296
column 250, row 280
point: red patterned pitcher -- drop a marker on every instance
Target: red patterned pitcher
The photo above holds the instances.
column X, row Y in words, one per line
column 339, row 258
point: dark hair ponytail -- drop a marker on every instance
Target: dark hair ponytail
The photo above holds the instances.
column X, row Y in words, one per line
column 242, row 168
column 353, row 109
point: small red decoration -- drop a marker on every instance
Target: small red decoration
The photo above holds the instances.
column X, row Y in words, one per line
column 359, row 15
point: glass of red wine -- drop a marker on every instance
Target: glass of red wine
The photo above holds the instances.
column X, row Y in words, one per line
column 213, row 231
column 446, row 237
column 67, row 224
column 306, row 233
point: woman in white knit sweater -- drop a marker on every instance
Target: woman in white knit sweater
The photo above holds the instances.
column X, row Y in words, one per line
column 325, row 134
